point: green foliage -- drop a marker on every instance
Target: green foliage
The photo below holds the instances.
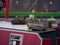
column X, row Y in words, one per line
column 39, row 14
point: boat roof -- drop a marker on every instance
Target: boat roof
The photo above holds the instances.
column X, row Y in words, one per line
column 9, row 25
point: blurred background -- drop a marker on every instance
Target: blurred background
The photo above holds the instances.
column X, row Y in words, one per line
column 24, row 7
column 38, row 5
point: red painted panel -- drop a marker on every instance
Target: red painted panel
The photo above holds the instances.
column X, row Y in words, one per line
column 47, row 42
column 57, row 28
column 29, row 39
column 56, row 41
column 4, row 38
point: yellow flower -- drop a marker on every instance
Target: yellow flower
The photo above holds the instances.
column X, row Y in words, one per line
column 33, row 11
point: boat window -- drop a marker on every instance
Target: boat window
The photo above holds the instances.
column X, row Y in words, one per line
column 16, row 39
